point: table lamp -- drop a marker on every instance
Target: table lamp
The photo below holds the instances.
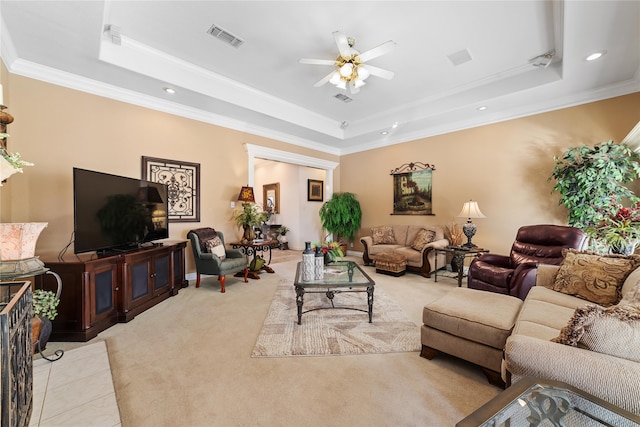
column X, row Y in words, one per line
column 246, row 195
column 470, row 210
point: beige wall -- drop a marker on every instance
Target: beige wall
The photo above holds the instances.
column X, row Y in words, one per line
column 503, row 166
column 58, row 129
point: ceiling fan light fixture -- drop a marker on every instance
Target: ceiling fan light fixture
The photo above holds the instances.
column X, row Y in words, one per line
column 350, row 71
column 346, row 70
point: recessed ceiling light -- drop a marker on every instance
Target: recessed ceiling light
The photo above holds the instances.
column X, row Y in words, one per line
column 395, row 125
column 482, row 108
column 169, row 90
column 595, row 55
column 384, row 132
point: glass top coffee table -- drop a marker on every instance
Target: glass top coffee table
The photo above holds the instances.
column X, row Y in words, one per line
column 537, row 402
column 339, row 277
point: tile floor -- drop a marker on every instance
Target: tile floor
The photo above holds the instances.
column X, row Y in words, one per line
column 76, row 390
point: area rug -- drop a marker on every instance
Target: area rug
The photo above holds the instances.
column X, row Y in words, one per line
column 336, row 331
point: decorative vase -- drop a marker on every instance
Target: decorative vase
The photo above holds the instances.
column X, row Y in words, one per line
column 319, row 264
column 18, row 247
column 43, row 335
column 249, row 233
column 627, row 249
column 329, row 257
column 308, row 263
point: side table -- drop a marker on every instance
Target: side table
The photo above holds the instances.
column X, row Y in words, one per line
column 251, row 249
column 459, row 254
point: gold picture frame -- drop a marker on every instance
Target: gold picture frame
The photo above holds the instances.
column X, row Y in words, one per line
column 271, row 197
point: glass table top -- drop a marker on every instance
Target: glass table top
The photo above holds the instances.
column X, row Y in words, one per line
column 535, row 402
column 337, row 274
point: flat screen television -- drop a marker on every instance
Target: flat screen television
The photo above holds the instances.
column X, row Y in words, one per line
column 114, row 213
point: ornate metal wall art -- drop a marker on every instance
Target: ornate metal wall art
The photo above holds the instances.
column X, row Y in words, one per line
column 183, row 180
column 412, row 189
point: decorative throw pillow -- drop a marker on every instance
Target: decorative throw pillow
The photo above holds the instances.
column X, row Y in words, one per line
column 613, row 330
column 594, row 277
column 383, row 235
column 215, row 246
column 423, row 238
column 631, row 288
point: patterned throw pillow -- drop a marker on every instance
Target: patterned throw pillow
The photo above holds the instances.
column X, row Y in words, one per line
column 613, row 330
column 631, row 288
column 594, row 277
column 383, row 235
column 423, row 238
column 215, row 246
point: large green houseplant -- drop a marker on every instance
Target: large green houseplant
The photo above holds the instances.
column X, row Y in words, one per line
column 342, row 216
column 591, row 182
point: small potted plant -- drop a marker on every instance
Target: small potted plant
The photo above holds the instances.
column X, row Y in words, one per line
column 619, row 228
column 249, row 216
column 45, row 309
column 331, row 251
column 10, row 163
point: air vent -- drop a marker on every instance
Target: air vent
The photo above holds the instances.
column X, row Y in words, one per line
column 460, row 57
column 225, row 36
column 343, row 97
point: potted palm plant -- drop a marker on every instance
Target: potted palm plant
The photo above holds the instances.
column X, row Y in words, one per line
column 342, row 216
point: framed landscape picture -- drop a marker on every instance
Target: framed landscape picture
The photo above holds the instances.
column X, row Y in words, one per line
column 315, row 190
column 412, row 189
column 183, row 180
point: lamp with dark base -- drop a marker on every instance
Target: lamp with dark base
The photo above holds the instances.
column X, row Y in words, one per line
column 470, row 210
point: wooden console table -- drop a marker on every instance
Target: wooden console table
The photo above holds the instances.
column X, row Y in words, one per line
column 100, row 292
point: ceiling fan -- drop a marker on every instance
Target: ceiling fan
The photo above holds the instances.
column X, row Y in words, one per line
column 351, row 71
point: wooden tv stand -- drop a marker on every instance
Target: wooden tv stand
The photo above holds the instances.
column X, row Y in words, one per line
column 99, row 292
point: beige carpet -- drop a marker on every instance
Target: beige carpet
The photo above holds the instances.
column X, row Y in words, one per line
column 334, row 331
column 187, row 362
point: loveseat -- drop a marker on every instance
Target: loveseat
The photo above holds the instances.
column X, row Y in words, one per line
column 529, row 350
column 415, row 242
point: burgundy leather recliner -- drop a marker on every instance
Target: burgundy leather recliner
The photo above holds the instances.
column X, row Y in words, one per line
column 516, row 274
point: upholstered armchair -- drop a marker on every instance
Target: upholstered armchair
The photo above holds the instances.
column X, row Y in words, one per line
column 212, row 258
column 515, row 274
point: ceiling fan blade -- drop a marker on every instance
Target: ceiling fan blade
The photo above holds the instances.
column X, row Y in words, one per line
column 343, row 43
column 317, row 61
column 379, row 72
column 377, row 51
column 324, row 80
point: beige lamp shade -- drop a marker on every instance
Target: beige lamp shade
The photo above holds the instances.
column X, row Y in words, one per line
column 470, row 209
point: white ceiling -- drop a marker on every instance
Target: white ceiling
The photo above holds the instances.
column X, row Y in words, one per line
column 261, row 88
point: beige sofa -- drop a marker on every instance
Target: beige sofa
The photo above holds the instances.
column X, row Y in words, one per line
column 422, row 261
column 511, row 339
column 529, row 350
